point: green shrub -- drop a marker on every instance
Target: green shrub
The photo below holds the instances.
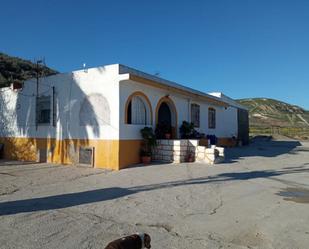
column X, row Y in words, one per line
column 149, row 141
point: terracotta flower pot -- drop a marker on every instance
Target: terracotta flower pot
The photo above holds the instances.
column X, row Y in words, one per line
column 167, row 136
column 146, row 159
column 190, row 158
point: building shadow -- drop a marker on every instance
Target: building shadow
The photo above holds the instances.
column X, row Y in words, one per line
column 262, row 148
column 156, row 163
column 76, row 118
column 62, row 201
column 101, row 195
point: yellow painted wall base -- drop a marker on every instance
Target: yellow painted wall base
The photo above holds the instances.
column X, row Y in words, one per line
column 105, row 152
column 108, row 154
column 24, row 149
column 129, row 152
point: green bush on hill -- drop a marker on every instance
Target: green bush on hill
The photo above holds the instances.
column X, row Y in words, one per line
column 13, row 68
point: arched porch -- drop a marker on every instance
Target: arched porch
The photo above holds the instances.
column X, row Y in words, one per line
column 166, row 117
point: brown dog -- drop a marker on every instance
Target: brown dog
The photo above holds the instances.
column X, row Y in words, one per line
column 135, row 241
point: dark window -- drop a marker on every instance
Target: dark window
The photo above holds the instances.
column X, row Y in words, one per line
column 195, row 115
column 44, row 117
column 43, row 108
column 211, row 118
column 138, row 111
column 129, row 113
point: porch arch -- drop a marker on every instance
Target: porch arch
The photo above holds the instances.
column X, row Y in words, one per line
column 146, row 103
column 162, row 104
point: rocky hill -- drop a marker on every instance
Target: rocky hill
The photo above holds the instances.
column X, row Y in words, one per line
column 13, row 68
column 270, row 112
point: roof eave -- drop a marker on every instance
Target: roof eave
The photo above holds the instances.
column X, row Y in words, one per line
column 157, row 84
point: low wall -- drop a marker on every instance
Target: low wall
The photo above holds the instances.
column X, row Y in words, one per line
column 176, row 151
column 211, row 155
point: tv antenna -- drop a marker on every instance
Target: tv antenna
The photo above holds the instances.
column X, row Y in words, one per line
column 84, row 67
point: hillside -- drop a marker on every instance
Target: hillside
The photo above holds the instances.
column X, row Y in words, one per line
column 269, row 112
column 13, row 68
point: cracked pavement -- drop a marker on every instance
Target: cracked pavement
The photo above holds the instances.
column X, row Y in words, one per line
column 236, row 204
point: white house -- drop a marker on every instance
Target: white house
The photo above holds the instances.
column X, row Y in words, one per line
column 97, row 113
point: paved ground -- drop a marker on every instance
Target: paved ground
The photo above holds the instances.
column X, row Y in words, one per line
column 258, row 199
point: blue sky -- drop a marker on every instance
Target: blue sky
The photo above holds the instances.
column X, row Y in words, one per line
column 244, row 48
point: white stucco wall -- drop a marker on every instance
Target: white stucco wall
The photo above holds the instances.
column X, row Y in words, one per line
column 226, row 118
column 71, row 90
column 8, row 120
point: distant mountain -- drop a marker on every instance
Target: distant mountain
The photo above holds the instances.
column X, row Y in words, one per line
column 14, row 68
column 270, row 112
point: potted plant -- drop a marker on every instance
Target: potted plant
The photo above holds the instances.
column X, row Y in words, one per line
column 167, row 135
column 145, row 155
column 186, row 130
column 190, row 157
column 149, row 142
column 163, row 130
